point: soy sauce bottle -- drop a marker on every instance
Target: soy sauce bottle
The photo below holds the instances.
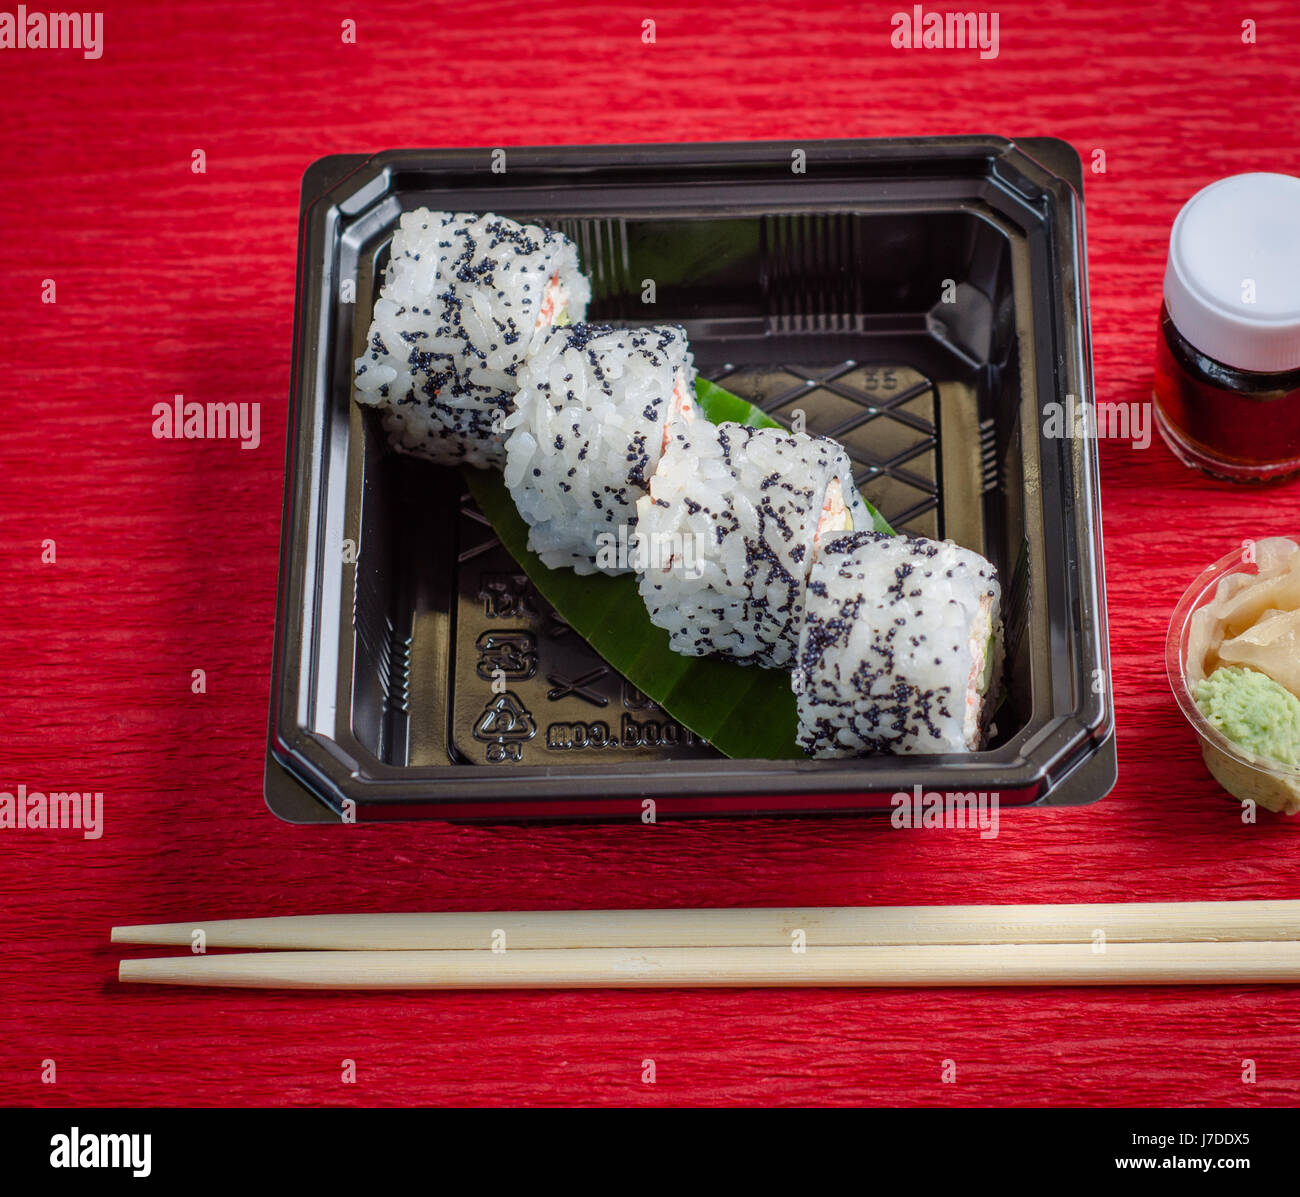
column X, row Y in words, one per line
column 1227, row 384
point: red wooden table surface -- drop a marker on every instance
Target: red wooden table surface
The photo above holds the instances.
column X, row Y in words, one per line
column 169, row 281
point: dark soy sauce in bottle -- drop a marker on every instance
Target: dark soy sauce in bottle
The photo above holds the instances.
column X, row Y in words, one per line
column 1227, row 381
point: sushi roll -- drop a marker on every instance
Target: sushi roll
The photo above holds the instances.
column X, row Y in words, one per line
column 464, row 298
column 744, row 510
column 898, row 648
column 594, row 411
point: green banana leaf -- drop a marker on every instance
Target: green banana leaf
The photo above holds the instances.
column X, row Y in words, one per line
column 720, row 406
column 743, row 711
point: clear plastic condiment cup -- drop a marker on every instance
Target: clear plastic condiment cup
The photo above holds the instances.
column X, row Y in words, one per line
column 1271, row 784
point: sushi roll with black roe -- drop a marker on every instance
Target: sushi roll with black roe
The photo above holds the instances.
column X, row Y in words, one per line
column 595, row 409
column 745, row 510
column 463, row 300
column 899, row 647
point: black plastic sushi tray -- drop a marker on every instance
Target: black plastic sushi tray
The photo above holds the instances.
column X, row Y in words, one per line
column 921, row 300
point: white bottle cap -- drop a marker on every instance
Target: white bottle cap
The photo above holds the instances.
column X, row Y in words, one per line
column 1232, row 285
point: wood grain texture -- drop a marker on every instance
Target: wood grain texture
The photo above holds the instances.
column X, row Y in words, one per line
column 169, row 282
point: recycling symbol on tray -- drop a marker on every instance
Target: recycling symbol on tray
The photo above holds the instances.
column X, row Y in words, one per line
column 505, row 719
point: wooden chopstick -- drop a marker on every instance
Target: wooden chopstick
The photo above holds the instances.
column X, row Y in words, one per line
column 628, row 968
column 844, row 926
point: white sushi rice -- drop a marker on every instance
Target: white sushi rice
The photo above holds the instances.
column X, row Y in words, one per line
column 591, row 418
column 463, row 299
column 756, row 500
column 893, row 654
